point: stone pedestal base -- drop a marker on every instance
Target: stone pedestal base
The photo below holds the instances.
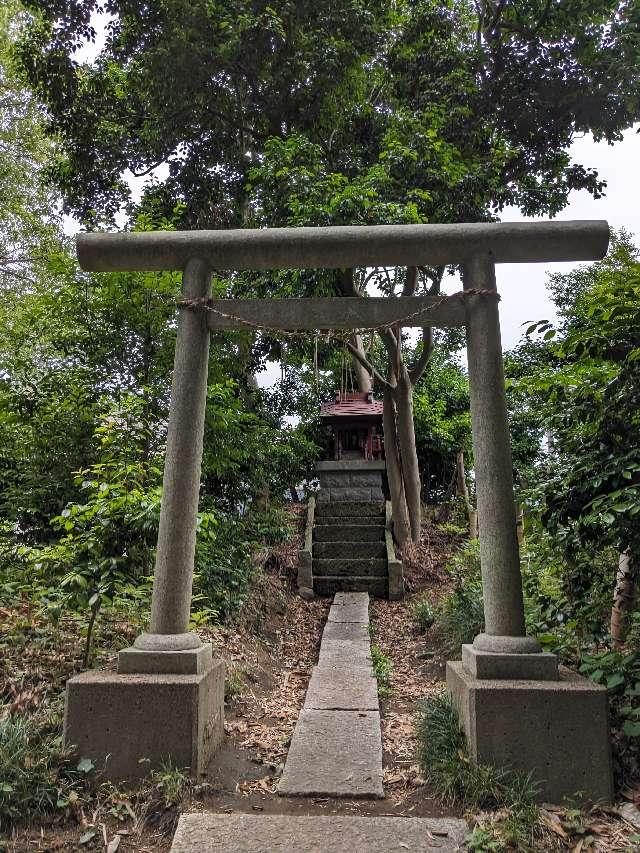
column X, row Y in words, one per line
column 539, row 666
column 128, row 724
column 558, row 730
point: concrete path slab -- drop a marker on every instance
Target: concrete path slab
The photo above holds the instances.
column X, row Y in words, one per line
column 345, row 631
column 334, row 754
column 247, row 833
column 351, row 612
column 346, row 653
column 335, row 688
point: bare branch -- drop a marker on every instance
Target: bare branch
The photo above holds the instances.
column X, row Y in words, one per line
column 371, row 370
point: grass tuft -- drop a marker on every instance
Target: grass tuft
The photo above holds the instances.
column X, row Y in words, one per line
column 445, row 763
column 37, row 775
column 423, row 614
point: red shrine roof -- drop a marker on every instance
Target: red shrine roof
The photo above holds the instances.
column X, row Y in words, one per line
column 350, row 405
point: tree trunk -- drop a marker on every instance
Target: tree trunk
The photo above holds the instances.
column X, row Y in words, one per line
column 362, row 375
column 401, row 527
column 463, row 492
column 623, row 597
column 408, row 454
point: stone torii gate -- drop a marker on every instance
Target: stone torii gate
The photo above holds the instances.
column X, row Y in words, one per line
column 167, row 698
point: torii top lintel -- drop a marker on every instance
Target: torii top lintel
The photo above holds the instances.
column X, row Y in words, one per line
column 346, row 246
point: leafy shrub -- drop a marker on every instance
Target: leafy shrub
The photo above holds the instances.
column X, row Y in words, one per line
column 460, row 615
column 225, row 566
column 620, row 674
column 37, row 775
column 445, row 763
column 382, row 666
column 422, row 613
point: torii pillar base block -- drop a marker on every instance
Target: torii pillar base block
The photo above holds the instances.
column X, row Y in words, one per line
column 556, row 729
column 131, row 723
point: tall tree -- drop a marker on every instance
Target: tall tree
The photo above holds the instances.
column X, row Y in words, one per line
column 337, row 111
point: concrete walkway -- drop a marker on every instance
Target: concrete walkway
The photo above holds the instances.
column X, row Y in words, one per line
column 245, row 833
column 336, row 749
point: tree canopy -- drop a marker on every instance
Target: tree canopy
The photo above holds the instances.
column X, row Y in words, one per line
column 446, row 110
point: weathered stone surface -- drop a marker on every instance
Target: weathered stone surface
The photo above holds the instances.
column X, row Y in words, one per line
column 359, row 520
column 395, row 579
column 329, row 585
column 345, row 631
column 348, row 533
column 117, row 720
column 540, row 666
column 249, row 833
column 345, row 247
column 365, row 478
column 558, row 730
column 334, row 754
column 173, row 574
column 334, row 480
column 394, row 566
column 306, row 592
column 345, row 653
column 342, row 688
column 305, row 569
column 344, row 550
column 368, row 567
column 187, row 662
column 350, row 607
column 351, row 494
column 353, row 508
column 350, row 465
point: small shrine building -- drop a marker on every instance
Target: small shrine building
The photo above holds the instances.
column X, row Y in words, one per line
column 355, row 422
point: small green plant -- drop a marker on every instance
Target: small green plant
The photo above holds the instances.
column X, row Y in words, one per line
column 233, row 685
column 460, row 615
column 171, row 784
column 423, row 614
column 37, row 775
column 382, row 666
column 444, row 760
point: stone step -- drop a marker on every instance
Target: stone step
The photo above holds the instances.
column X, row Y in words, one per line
column 367, row 520
column 342, row 508
column 334, row 754
column 329, row 585
column 252, row 833
column 348, row 533
column 352, row 550
column 350, row 567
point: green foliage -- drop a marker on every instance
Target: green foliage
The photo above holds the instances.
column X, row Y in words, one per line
column 37, row 776
column 382, row 666
column 587, row 379
column 171, row 784
column 340, row 111
column 422, row 613
column 442, row 422
column 460, row 614
column 620, row 674
column 445, row 763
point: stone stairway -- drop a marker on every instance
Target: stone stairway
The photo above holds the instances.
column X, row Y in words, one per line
column 349, row 548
